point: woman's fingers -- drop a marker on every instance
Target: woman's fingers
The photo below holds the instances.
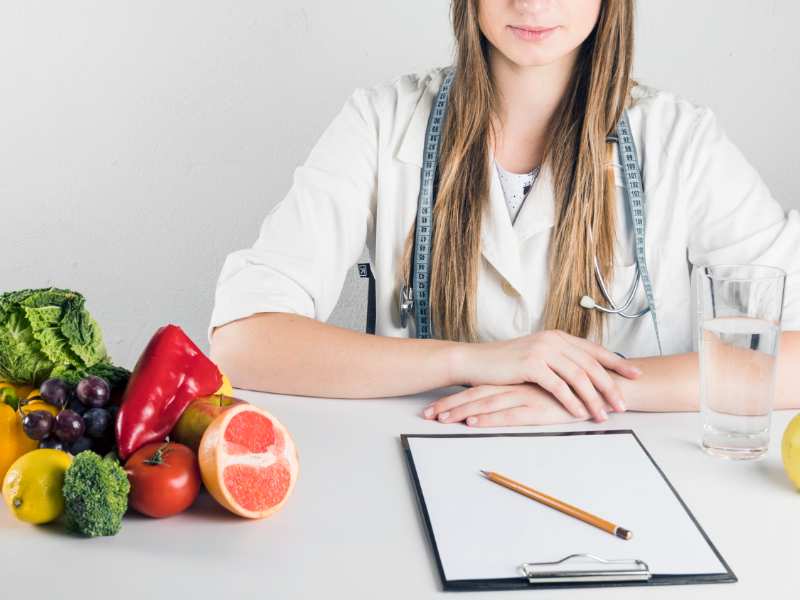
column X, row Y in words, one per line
column 573, row 370
column 490, row 403
column 599, row 377
column 519, row 415
column 551, row 382
column 579, row 381
column 444, row 404
column 605, row 357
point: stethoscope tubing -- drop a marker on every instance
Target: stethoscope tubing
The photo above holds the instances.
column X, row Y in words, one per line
column 613, row 308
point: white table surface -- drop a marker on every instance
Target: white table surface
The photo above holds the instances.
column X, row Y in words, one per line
column 352, row 528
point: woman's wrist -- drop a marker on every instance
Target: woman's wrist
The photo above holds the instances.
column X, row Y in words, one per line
column 457, row 360
column 667, row 383
column 628, row 387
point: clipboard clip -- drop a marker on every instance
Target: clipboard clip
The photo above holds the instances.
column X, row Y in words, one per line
column 586, row 568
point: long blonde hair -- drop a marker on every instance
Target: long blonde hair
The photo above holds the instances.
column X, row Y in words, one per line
column 577, row 153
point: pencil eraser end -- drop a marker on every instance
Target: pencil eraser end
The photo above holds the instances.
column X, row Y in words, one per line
column 623, row 533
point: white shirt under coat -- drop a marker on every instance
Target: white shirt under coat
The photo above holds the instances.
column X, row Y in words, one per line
column 359, row 186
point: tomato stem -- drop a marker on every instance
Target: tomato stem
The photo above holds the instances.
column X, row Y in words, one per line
column 158, row 455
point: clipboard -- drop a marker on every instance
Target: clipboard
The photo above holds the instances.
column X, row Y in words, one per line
column 542, row 561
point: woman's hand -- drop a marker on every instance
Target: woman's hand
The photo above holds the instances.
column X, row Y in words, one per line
column 500, row 405
column 573, row 370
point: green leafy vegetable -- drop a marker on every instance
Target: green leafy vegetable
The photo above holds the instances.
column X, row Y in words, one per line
column 117, row 377
column 48, row 332
column 95, row 495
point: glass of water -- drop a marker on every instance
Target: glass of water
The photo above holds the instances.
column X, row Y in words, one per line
column 739, row 322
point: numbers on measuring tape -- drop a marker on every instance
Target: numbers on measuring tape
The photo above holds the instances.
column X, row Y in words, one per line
column 423, row 234
column 634, row 195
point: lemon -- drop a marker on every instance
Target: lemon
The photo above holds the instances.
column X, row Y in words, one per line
column 790, row 450
column 226, row 389
column 32, row 486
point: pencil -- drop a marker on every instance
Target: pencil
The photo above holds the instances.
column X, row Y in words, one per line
column 567, row 509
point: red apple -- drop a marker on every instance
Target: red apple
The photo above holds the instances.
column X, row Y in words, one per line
column 198, row 416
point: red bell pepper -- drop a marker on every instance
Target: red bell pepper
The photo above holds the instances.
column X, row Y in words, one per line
column 171, row 372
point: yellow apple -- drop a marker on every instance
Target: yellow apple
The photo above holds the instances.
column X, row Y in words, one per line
column 790, row 450
column 198, row 416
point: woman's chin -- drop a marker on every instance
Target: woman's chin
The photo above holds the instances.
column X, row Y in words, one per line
column 532, row 57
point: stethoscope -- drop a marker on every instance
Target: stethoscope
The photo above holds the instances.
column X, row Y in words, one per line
column 413, row 299
column 590, row 303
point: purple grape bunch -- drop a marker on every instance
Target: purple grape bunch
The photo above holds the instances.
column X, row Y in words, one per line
column 85, row 418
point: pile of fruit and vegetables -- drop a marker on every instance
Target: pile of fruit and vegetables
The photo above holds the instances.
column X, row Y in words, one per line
column 82, row 440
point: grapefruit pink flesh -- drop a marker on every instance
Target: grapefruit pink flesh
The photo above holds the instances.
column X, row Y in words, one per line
column 257, row 488
column 251, row 433
column 248, row 461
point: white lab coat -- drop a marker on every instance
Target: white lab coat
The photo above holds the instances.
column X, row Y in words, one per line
column 705, row 204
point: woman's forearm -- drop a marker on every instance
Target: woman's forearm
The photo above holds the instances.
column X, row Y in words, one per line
column 672, row 383
column 292, row 354
column 667, row 383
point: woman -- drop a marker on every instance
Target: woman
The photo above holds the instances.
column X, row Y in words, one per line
column 537, row 88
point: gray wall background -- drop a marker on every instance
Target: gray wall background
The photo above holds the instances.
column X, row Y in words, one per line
column 141, row 141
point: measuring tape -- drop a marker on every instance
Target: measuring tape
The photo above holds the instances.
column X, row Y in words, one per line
column 634, row 194
column 416, row 297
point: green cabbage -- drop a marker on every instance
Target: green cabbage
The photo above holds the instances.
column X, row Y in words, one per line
column 48, row 332
column 117, row 377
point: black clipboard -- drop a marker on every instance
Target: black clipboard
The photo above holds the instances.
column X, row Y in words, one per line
column 548, row 573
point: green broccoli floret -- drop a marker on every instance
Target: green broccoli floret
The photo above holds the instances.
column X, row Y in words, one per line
column 95, row 495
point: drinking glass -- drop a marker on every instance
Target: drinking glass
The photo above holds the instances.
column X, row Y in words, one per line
column 739, row 320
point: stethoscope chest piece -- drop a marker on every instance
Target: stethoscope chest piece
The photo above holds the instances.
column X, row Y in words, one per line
column 406, row 304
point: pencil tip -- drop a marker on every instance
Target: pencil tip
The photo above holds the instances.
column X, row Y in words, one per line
column 484, row 473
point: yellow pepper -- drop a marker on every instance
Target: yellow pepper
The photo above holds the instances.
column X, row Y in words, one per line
column 27, row 406
column 21, row 391
column 13, row 441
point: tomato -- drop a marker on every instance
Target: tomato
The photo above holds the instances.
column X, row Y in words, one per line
column 165, row 479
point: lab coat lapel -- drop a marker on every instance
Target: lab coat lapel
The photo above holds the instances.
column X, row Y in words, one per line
column 498, row 240
column 409, row 149
column 537, row 212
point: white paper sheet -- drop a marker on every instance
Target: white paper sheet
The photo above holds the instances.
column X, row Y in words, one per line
column 485, row 531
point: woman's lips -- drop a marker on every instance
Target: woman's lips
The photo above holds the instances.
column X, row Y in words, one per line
column 532, row 34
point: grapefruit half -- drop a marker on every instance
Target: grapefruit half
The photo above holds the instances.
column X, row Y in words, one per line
column 248, row 461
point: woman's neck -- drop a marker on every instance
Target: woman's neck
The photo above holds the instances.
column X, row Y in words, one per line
column 527, row 99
